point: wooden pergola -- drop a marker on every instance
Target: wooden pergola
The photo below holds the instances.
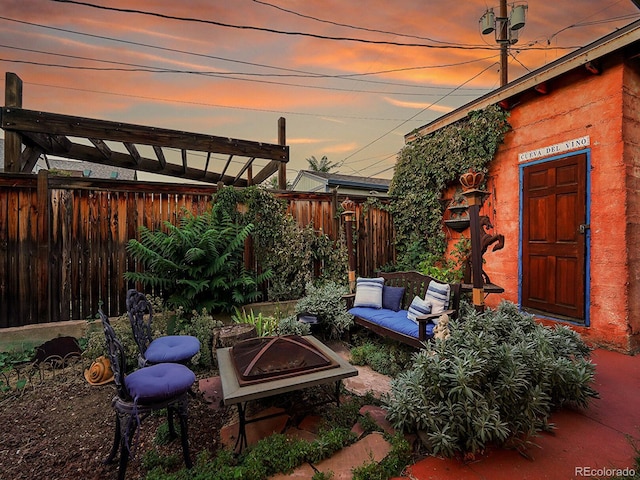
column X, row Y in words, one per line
column 31, row 134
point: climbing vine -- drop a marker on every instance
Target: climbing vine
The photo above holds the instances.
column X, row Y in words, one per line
column 426, row 166
column 291, row 252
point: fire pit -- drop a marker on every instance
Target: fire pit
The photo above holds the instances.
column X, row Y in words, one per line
column 258, row 360
column 295, row 363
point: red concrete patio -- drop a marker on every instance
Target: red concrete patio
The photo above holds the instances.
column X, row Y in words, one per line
column 585, row 443
column 591, row 443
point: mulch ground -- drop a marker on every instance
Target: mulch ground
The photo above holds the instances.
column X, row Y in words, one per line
column 62, row 428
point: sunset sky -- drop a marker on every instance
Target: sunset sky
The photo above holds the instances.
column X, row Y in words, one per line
column 352, row 101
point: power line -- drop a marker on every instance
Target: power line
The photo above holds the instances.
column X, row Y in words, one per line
column 224, row 75
column 294, row 71
column 271, row 30
column 203, row 104
column 373, row 30
column 414, row 116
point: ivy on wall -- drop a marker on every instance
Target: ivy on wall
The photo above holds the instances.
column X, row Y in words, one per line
column 426, row 166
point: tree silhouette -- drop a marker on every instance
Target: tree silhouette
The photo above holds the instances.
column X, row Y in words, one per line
column 322, row 165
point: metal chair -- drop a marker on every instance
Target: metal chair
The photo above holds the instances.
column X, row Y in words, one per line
column 160, row 386
column 167, row 349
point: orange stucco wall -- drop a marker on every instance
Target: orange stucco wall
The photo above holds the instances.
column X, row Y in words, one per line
column 605, row 107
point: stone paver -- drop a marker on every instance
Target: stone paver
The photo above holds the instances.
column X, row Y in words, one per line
column 373, row 447
column 367, row 379
column 256, row 431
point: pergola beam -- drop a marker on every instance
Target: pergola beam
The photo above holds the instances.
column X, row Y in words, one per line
column 53, row 134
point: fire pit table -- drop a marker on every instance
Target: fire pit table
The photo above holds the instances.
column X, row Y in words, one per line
column 267, row 366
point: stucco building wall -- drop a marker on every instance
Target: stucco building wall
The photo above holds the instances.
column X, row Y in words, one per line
column 604, row 107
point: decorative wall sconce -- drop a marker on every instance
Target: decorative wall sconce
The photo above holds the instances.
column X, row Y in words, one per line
column 458, row 214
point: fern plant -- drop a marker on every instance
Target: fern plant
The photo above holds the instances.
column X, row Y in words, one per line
column 198, row 263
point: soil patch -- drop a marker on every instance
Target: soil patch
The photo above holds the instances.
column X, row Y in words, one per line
column 62, row 428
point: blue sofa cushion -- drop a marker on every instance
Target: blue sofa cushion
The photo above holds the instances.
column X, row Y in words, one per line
column 369, row 292
column 392, row 297
column 396, row 321
column 172, row 349
column 159, row 382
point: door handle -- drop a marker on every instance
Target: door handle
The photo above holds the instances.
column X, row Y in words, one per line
column 583, row 228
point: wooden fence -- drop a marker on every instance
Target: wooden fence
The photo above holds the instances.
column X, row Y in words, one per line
column 63, row 239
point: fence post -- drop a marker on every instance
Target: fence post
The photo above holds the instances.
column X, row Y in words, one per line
column 44, row 250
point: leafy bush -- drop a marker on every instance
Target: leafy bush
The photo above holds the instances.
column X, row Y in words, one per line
column 290, row 251
column 96, row 345
column 496, row 379
column 391, row 466
column 325, row 301
column 198, row 264
column 384, row 357
column 291, row 326
column 200, row 325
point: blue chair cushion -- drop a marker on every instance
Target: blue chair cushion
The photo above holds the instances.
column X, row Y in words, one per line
column 172, row 348
column 396, row 321
column 159, row 382
column 392, row 297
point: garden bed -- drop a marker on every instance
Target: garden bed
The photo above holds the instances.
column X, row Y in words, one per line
column 64, row 430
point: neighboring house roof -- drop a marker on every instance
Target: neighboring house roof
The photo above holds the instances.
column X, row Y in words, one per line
column 85, row 169
column 77, row 167
column 327, row 180
column 585, row 56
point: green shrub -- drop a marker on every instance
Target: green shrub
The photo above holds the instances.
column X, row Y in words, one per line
column 391, row 466
column 197, row 264
column 96, row 346
column 426, row 166
column 201, row 326
column 290, row 251
column 388, row 358
column 291, row 326
column 325, row 301
column 496, row 379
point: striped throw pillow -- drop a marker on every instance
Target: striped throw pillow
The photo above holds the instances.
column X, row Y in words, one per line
column 418, row 307
column 369, row 292
column 438, row 296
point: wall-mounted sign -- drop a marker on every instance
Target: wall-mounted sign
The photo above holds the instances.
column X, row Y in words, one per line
column 555, row 149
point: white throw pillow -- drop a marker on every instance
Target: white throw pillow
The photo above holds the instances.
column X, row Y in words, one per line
column 369, row 292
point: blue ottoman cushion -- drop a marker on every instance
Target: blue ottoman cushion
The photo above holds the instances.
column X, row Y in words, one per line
column 159, row 382
column 172, row 348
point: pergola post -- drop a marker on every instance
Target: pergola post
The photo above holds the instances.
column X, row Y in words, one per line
column 12, row 140
column 282, row 140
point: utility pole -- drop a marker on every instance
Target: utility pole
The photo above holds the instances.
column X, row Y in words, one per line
column 506, row 28
column 503, row 39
